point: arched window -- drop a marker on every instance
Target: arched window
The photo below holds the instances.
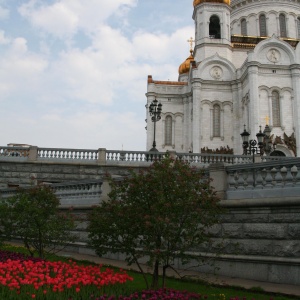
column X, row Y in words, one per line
column 282, row 25
column 216, row 120
column 262, row 25
column 168, row 130
column 243, row 27
column 298, row 27
column 275, row 109
column 214, row 27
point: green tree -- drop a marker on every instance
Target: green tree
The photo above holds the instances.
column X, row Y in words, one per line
column 161, row 214
column 33, row 216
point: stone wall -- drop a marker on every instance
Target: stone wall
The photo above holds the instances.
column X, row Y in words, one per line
column 27, row 173
column 261, row 241
column 260, row 236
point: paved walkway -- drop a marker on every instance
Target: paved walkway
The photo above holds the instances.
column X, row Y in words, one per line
column 222, row 280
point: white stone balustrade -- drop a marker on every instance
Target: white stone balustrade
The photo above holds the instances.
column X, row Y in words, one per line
column 207, row 158
column 14, row 151
column 132, row 156
column 103, row 156
column 83, row 193
column 74, row 154
column 71, row 194
column 268, row 179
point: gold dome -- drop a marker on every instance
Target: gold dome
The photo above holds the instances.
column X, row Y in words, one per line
column 185, row 66
column 196, row 2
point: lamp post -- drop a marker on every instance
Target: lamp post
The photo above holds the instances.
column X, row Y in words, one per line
column 253, row 147
column 155, row 109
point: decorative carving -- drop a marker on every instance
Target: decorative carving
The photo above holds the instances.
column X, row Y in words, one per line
column 273, row 55
column 277, row 140
column 288, row 141
column 216, row 72
column 222, row 150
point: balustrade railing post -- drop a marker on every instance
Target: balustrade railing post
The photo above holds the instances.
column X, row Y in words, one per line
column 105, row 190
column 173, row 154
column 218, row 175
column 101, row 156
column 33, row 153
column 257, row 158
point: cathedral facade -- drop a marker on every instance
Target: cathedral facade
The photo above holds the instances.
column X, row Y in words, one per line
column 243, row 72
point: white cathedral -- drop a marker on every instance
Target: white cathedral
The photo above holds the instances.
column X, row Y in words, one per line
column 244, row 69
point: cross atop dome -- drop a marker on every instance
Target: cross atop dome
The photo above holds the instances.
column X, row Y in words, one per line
column 191, row 41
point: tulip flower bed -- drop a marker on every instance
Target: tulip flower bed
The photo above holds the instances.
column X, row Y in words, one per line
column 31, row 278
column 24, row 277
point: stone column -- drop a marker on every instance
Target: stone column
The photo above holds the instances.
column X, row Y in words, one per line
column 218, row 175
column 101, row 156
column 296, row 89
column 270, row 110
column 287, row 26
column 185, row 125
column 163, row 130
column 190, row 116
column 173, row 132
column 278, row 26
column 293, row 111
column 222, row 123
column 33, row 153
column 257, row 27
column 281, row 104
column 196, row 117
column 253, row 104
column 105, row 190
column 237, row 114
column 211, row 122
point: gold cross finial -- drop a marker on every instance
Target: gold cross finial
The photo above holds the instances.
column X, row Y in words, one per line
column 191, row 41
column 267, row 120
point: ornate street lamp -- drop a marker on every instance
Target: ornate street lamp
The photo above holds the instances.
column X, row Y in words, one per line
column 155, row 109
column 253, row 147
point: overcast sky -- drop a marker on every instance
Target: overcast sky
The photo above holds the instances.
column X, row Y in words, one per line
column 74, row 72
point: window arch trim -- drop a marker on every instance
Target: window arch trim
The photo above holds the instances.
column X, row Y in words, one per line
column 282, row 25
column 262, row 25
column 216, row 120
column 276, row 120
column 243, row 26
column 214, row 27
column 168, row 130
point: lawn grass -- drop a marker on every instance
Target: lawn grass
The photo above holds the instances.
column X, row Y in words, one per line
column 200, row 287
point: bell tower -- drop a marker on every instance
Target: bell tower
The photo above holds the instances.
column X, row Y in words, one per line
column 212, row 28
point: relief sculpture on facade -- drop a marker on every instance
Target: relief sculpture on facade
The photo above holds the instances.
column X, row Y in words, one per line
column 288, row 141
column 222, row 150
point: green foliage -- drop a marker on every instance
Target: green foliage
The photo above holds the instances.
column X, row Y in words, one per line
column 159, row 215
column 33, row 216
